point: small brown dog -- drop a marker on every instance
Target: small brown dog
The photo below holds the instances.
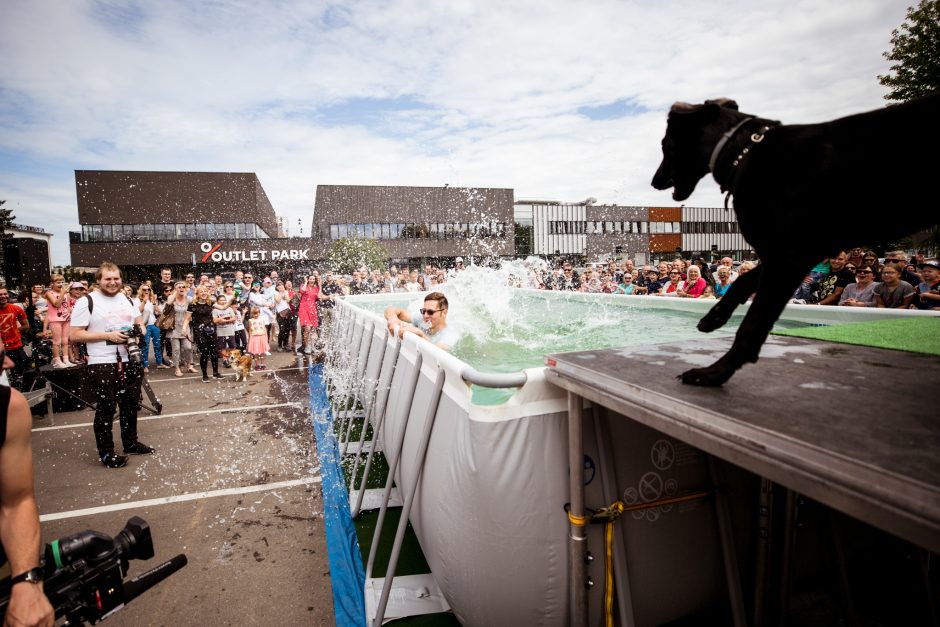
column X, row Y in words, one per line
column 241, row 363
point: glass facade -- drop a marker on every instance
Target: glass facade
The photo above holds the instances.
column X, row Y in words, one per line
column 434, row 230
column 170, row 232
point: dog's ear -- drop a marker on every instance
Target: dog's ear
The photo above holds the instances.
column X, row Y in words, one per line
column 695, row 113
column 727, row 103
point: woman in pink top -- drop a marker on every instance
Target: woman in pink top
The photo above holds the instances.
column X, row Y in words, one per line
column 695, row 285
column 307, row 312
column 58, row 315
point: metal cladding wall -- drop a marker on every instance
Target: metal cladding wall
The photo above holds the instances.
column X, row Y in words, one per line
column 559, row 229
column 418, row 206
column 705, row 227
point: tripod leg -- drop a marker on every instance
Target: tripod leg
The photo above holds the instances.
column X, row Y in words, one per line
column 145, row 387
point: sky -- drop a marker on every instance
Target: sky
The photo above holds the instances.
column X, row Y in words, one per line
column 557, row 100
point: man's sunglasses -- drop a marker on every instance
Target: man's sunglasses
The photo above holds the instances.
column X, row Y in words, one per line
column 429, row 312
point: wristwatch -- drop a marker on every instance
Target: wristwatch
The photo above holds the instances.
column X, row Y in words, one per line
column 33, row 575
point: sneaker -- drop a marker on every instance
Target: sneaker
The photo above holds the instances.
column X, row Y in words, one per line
column 205, row 378
column 216, row 375
column 113, row 460
column 267, row 353
column 59, row 364
column 163, row 366
column 146, row 370
column 138, row 448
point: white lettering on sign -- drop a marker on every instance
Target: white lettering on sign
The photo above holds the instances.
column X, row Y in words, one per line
column 214, row 253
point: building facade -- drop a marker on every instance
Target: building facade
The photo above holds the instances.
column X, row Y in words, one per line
column 210, row 219
column 218, row 221
column 32, row 232
column 418, row 222
column 597, row 232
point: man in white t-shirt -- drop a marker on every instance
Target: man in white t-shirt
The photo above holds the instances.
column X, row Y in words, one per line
column 116, row 380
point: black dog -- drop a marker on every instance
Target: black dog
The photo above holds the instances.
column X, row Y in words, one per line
column 801, row 193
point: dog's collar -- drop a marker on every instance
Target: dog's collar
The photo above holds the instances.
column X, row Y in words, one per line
column 755, row 138
column 724, row 140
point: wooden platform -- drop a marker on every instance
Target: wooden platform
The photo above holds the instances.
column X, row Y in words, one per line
column 853, row 427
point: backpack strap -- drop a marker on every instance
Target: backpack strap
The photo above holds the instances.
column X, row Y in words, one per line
column 91, row 302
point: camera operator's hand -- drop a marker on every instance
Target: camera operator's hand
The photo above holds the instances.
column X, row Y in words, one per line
column 116, row 337
column 28, row 607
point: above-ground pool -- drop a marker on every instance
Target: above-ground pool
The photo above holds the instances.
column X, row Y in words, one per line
column 491, row 489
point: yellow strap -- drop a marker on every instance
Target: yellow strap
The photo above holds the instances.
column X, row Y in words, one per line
column 578, row 521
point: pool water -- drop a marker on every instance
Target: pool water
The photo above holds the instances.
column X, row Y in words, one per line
column 504, row 329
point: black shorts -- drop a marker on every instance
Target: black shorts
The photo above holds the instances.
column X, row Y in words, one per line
column 225, row 341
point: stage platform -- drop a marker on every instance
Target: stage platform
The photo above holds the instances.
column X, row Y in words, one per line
column 852, row 427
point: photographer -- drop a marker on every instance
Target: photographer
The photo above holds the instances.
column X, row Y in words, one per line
column 116, row 380
column 19, row 518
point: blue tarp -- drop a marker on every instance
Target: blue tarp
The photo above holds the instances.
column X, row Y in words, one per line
column 346, row 570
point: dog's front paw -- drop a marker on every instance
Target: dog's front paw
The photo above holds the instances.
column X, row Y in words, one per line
column 705, row 377
column 712, row 320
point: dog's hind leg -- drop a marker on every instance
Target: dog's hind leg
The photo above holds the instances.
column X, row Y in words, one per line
column 776, row 288
column 737, row 294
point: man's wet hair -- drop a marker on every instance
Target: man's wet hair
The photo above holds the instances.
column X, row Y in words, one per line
column 439, row 297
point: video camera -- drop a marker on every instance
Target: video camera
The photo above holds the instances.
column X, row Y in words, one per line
column 85, row 572
column 133, row 344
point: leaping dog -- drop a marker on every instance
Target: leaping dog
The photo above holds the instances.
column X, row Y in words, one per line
column 801, row 194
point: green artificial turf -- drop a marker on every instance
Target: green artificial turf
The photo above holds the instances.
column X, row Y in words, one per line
column 916, row 335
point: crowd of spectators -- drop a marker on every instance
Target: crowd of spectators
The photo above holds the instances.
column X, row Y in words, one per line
column 201, row 318
column 853, row 278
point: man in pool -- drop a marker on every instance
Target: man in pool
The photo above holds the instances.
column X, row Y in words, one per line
column 430, row 323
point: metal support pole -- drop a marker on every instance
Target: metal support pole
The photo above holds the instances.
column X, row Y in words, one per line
column 409, row 499
column 609, row 487
column 789, row 540
column 765, row 510
column 357, row 387
column 393, row 466
column 577, row 534
column 725, row 533
column 368, row 413
column 379, row 423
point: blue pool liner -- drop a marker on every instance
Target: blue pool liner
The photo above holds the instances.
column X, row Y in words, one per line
column 346, row 570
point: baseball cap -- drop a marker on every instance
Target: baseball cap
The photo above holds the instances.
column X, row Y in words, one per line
column 459, row 260
column 929, row 264
column 75, row 284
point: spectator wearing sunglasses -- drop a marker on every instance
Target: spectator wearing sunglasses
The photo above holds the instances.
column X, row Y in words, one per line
column 862, row 292
column 430, row 323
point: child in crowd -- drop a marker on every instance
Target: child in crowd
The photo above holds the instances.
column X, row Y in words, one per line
column 58, row 314
column 224, row 317
column 258, row 338
column 241, row 337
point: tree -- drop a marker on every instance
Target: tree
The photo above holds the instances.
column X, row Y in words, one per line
column 915, row 73
column 352, row 253
column 916, row 54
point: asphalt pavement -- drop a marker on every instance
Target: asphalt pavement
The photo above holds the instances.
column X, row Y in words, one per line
column 234, row 485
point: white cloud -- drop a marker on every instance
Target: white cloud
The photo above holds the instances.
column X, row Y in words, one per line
column 244, row 86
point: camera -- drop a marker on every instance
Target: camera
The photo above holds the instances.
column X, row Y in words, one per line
column 133, row 344
column 84, row 572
